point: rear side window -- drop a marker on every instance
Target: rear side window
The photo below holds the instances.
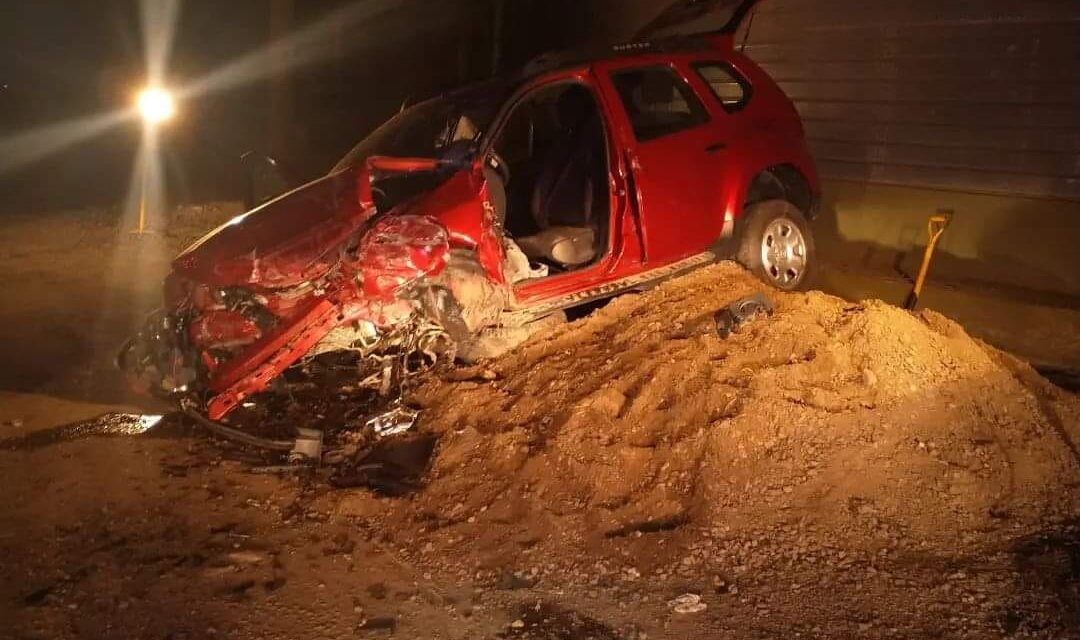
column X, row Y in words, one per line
column 730, row 89
column 658, row 102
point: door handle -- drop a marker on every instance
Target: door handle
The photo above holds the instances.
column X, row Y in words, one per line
column 716, row 146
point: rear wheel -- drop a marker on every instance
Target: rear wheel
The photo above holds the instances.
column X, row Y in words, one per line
column 776, row 244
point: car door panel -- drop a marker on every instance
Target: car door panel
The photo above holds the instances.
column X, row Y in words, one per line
column 677, row 174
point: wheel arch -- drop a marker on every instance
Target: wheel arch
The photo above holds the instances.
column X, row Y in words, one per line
column 782, row 182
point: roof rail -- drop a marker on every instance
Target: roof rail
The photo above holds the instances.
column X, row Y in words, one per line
column 561, row 59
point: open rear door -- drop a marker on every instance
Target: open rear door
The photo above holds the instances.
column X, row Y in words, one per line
column 697, row 17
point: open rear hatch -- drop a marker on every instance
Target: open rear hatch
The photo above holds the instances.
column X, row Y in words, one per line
column 697, row 17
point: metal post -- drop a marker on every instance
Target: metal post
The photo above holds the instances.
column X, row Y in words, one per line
column 144, row 180
column 498, row 22
column 142, row 208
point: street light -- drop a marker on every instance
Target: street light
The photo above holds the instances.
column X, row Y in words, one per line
column 156, row 105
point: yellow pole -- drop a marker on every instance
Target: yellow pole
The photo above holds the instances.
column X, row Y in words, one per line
column 934, row 228
column 143, row 181
column 142, row 209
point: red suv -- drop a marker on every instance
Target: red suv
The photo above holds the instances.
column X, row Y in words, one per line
column 475, row 217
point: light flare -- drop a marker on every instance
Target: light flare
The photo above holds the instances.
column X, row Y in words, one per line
column 156, row 105
column 26, row 148
column 319, row 40
column 362, row 24
column 159, row 19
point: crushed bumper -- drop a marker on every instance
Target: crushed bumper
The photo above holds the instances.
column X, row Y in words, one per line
column 252, row 370
column 221, row 346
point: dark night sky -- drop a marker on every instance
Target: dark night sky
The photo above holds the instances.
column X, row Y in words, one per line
column 64, row 59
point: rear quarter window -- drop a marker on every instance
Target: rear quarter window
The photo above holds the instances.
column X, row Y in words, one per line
column 731, row 89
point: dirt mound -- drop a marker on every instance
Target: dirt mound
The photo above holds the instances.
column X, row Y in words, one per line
column 640, row 418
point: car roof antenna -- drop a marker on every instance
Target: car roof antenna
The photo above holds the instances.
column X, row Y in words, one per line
column 404, row 104
column 746, row 35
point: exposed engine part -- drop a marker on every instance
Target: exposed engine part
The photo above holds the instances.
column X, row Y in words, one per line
column 390, row 359
column 386, row 364
column 235, row 434
column 363, row 337
column 154, row 360
column 308, row 446
column 395, row 420
column 253, row 306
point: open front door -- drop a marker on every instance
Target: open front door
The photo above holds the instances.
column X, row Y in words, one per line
column 563, row 203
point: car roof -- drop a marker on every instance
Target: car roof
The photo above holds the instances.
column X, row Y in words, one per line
column 678, row 14
column 498, row 87
column 501, row 85
column 568, row 58
column 683, row 26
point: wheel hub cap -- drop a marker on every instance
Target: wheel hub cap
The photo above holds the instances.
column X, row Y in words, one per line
column 783, row 252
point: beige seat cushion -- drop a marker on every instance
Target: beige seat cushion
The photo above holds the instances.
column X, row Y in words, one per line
column 568, row 246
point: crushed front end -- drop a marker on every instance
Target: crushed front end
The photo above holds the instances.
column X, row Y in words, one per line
column 321, row 272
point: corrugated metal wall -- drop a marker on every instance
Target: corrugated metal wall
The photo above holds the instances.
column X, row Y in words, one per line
column 970, row 95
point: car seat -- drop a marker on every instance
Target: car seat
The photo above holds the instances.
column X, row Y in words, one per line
column 563, row 198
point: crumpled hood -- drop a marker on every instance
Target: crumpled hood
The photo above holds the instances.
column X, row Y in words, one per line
column 287, row 241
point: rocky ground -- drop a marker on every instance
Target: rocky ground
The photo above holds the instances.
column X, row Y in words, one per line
column 835, row 470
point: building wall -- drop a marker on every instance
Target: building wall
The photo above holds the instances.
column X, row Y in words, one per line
column 980, row 96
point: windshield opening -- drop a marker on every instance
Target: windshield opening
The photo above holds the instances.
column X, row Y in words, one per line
column 429, row 129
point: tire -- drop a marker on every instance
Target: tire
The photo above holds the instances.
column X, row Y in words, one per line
column 776, row 245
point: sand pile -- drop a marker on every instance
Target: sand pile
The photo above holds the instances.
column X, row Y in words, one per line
column 641, row 418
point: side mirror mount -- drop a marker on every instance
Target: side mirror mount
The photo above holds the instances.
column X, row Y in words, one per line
column 264, row 179
column 458, row 154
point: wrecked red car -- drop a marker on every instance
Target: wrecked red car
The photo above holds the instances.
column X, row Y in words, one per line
column 467, row 221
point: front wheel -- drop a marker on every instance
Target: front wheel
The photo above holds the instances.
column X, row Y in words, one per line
column 776, row 244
